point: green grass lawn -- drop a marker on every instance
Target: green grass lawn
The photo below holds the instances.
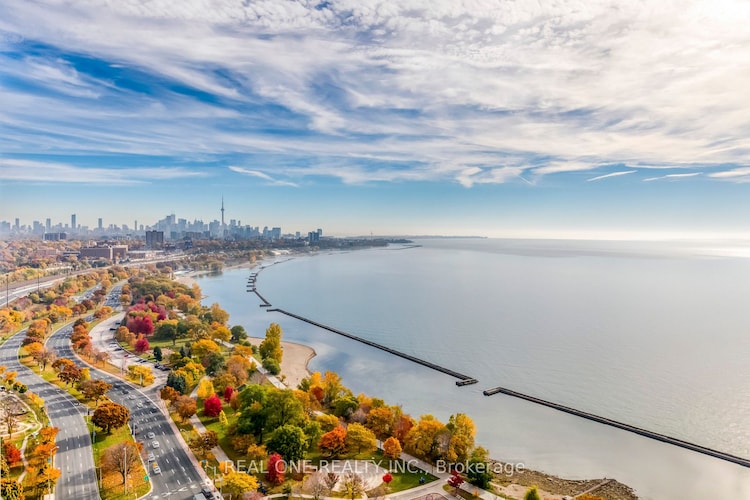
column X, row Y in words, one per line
column 112, row 487
column 213, row 424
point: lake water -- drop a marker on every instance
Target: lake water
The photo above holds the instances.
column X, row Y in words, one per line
column 655, row 335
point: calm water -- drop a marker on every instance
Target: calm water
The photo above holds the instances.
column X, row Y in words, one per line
column 654, row 335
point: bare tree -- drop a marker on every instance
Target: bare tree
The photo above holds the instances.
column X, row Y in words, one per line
column 121, row 457
column 9, row 410
column 354, row 486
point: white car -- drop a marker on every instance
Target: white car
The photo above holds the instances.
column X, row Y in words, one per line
column 150, row 435
column 154, row 444
column 157, row 469
column 151, row 457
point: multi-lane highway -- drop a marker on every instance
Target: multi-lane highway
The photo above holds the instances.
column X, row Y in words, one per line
column 179, row 478
column 74, row 456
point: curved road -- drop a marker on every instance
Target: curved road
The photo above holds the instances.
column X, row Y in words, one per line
column 74, row 456
column 179, row 478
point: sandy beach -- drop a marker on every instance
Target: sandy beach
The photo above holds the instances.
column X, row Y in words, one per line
column 293, row 362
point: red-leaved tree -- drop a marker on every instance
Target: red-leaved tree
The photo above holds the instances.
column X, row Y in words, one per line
column 141, row 345
column 228, row 393
column 11, row 454
column 212, row 406
column 276, row 469
column 456, row 481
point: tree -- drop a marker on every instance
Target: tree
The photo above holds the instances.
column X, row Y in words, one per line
column 212, row 406
column 456, row 481
column 101, row 357
column 532, row 494
column 121, row 458
column 271, row 345
column 238, row 333
column 478, row 471
column 328, row 422
column 10, row 489
column 228, row 391
column 70, row 374
column 387, row 478
column 11, row 454
column 157, row 353
column 144, row 375
column 423, row 439
column 94, row 390
column 360, row 438
column 332, row 444
column 110, row 416
column 8, row 414
column 169, row 393
column 213, row 362
column 276, row 469
column 392, row 448
column 238, row 367
column 289, row 441
column 62, row 363
column 177, row 382
column 237, row 483
column 205, row 441
column 380, row 421
column 205, row 388
column 462, row 432
column 186, row 407
column 142, row 345
column 353, row 484
column 223, row 420
column 202, row 347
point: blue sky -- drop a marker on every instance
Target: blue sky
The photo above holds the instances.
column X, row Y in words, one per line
column 593, row 119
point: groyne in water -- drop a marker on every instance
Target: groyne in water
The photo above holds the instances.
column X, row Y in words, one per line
column 252, row 288
column 462, row 379
column 620, row 425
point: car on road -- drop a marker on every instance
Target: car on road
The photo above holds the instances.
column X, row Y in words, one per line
column 154, row 444
column 151, row 435
column 157, row 469
column 151, row 457
column 132, row 396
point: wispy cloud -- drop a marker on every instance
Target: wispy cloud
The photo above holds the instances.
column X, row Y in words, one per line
column 613, row 174
column 672, row 176
column 466, row 92
column 262, row 175
column 48, row 172
column 741, row 174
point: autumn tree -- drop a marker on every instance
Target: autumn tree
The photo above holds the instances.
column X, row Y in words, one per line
column 94, row 390
column 141, row 374
column 354, row 485
column 462, row 431
column 276, row 469
column 392, row 448
column 11, row 453
column 423, row 440
column 185, row 407
column 271, row 345
column 456, row 481
column 380, row 421
column 228, row 391
column 238, row 483
column 332, row 444
column 122, row 458
column 205, row 389
column 212, row 406
column 328, row 422
column 204, row 346
column 142, row 345
column 110, row 416
column 169, row 394
column 360, row 438
column 204, row 442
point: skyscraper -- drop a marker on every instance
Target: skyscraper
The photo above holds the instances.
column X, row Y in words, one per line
column 100, row 223
column 73, row 222
column 222, row 212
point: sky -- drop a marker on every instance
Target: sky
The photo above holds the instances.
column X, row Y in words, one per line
column 493, row 118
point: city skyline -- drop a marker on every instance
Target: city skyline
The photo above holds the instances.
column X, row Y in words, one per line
column 608, row 120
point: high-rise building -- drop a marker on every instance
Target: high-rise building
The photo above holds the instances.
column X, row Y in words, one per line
column 222, row 212
column 100, row 224
column 73, row 222
column 48, row 224
column 154, row 239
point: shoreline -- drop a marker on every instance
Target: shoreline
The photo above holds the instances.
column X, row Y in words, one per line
column 295, row 367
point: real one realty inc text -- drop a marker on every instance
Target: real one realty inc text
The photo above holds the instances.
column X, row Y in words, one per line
column 371, row 466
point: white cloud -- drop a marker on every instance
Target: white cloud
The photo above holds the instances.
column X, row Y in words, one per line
column 261, row 175
column 48, row 172
column 672, row 176
column 465, row 91
column 613, row 174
